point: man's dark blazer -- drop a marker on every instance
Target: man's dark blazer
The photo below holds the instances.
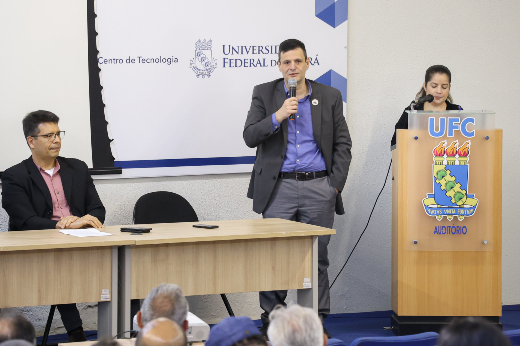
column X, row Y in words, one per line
column 28, row 202
column 330, row 133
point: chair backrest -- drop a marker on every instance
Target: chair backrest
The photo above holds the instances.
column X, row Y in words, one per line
column 514, row 336
column 423, row 339
column 335, row 342
column 163, row 207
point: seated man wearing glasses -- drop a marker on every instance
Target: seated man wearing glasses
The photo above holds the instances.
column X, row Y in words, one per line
column 49, row 191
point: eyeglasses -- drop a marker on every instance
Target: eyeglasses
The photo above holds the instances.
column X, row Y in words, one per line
column 51, row 136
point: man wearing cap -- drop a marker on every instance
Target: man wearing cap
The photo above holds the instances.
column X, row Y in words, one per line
column 235, row 331
column 301, row 164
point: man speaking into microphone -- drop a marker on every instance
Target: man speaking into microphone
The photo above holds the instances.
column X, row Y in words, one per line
column 302, row 158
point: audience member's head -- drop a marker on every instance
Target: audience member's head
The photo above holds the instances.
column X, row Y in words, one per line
column 161, row 332
column 16, row 342
column 14, row 326
column 107, row 341
column 235, row 331
column 472, row 331
column 295, row 326
column 165, row 300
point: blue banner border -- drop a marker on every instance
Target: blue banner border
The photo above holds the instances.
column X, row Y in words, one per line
column 207, row 161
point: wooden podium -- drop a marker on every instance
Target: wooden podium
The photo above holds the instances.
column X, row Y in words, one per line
column 446, row 221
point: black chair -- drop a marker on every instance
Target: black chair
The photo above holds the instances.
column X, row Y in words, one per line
column 163, row 207
column 166, row 207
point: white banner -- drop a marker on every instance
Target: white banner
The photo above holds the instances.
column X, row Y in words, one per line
column 178, row 76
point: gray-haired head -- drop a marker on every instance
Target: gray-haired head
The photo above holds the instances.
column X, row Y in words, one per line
column 295, row 326
column 165, row 300
column 14, row 326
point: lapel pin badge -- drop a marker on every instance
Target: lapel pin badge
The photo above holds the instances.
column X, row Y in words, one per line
column 315, row 102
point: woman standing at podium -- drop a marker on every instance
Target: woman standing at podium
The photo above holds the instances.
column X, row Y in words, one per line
column 437, row 82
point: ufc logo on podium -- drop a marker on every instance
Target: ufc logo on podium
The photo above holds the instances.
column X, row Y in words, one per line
column 449, row 127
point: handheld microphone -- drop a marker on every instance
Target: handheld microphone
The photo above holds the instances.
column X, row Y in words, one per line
column 292, row 92
column 427, row 98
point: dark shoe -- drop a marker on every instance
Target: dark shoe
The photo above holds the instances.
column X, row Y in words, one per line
column 77, row 335
column 263, row 330
column 326, row 332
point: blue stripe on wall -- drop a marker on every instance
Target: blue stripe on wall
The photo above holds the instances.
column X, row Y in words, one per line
column 208, row 161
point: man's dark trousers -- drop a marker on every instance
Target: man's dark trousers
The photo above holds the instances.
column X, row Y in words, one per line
column 312, row 202
column 69, row 316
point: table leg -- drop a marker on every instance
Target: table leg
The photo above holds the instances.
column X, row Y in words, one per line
column 124, row 322
column 107, row 310
column 309, row 297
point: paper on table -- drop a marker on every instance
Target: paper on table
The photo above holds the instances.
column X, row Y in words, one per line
column 87, row 232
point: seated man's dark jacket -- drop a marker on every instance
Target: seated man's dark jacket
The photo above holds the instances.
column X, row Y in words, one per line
column 28, row 202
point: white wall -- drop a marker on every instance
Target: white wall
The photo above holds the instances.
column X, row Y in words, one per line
column 477, row 40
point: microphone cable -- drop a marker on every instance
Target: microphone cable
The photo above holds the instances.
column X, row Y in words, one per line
column 375, row 203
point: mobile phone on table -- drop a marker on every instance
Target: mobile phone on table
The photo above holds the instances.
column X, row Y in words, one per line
column 200, row 225
column 136, row 229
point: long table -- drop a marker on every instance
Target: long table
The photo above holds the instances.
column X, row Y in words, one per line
column 239, row 256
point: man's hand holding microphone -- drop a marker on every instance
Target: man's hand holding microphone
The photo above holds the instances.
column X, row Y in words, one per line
column 290, row 106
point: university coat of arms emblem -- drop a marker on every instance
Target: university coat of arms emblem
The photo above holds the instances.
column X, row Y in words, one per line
column 203, row 64
column 450, row 195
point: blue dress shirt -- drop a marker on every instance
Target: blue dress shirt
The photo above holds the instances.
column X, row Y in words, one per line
column 302, row 154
